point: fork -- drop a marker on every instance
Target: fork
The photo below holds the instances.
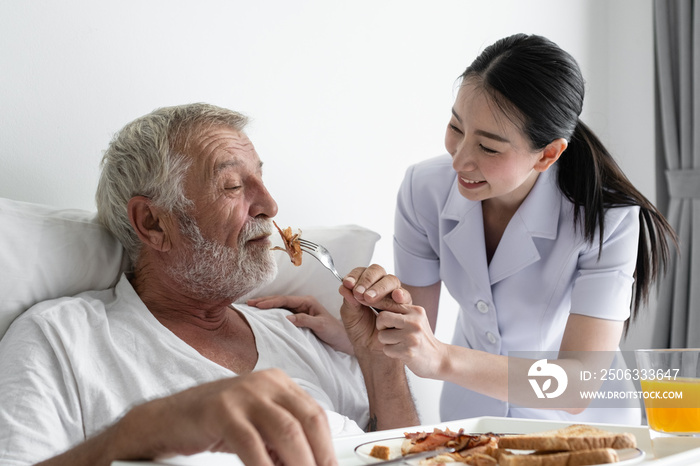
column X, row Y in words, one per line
column 324, row 257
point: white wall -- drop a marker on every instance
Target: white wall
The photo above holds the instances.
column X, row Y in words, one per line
column 343, row 95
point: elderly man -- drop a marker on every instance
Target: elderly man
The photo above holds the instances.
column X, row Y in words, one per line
column 163, row 363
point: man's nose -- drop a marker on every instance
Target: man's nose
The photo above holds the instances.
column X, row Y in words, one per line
column 264, row 203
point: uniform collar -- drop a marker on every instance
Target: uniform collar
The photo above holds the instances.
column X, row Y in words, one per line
column 537, row 217
column 539, row 212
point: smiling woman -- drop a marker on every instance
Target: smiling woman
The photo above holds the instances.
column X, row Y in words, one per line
column 532, row 227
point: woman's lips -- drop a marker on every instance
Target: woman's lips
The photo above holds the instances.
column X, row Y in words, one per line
column 469, row 184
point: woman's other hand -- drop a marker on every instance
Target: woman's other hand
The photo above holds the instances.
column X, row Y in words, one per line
column 309, row 313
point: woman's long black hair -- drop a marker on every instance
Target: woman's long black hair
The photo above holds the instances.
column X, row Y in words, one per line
column 541, row 87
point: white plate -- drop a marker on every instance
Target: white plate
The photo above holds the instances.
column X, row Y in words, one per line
column 628, row 456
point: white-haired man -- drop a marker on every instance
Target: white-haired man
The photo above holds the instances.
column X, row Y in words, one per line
column 163, row 364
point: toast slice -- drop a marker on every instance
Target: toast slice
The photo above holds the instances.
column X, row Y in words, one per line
column 564, row 458
column 573, row 437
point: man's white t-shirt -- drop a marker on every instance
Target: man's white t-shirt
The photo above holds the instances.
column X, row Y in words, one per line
column 72, row 366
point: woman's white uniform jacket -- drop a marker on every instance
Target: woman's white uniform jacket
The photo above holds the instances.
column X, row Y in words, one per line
column 542, row 270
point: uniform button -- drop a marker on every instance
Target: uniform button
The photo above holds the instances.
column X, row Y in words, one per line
column 482, row 307
column 491, row 337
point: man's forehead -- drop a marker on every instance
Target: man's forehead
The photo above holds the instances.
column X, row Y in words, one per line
column 221, row 148
column 223, row 138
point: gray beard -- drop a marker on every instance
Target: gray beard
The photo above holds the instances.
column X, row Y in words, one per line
column 214, row 271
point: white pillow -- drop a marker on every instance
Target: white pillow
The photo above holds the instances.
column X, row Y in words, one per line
column 48, row 253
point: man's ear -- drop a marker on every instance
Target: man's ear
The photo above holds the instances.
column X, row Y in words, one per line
column 551, row 154
column 149, row 223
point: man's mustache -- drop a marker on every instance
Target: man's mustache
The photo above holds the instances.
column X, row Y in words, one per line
column 255, row 229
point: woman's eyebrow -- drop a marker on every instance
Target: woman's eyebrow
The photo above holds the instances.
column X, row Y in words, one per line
column 455, row 115
column 495, row 137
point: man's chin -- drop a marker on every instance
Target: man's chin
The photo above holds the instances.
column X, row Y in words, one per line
column 266, row 276
column 262, row 281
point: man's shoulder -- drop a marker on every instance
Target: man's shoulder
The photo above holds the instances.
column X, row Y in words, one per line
column 68, row 309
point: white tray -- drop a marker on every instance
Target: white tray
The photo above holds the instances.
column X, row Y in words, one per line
column 669, row 451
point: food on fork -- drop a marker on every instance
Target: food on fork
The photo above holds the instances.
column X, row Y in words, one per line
column 291, row 244
column 574, row 445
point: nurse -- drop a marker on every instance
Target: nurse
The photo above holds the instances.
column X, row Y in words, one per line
column 531, row 226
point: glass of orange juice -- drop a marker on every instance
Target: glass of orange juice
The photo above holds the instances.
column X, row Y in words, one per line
column 670, row 380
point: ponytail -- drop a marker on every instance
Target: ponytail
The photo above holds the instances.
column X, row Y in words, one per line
column 591, row 179
column 580, row 178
